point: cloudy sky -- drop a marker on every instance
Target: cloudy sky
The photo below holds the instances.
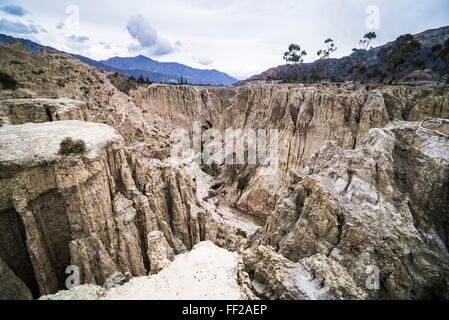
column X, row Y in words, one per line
column 239, row 37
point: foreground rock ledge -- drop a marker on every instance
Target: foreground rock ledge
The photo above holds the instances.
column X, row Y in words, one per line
column 94, row 210
column 205, row 273
column 36, row 144
column 56, row 209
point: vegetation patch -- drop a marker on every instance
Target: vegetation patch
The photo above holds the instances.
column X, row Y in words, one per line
column 211, row 170
column 141, row 80
column 241, row 233
column 68, row 146
column 242, row 183
column 122, row 83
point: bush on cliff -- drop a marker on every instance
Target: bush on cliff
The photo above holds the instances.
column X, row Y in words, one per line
column 241, row 233
column 68, row 146
column 242, row 183
column 212, row 170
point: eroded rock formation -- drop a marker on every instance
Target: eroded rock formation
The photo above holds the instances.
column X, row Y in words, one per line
column 359, row 188
column 85, row 210
column 12, row 287
column 20, row 111
column 314, row 278
column 382, row 204
column 220, row 277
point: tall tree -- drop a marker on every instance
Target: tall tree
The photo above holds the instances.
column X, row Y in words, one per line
column 441, row 52
column 295, row 55
column 359, row 58
column 367, row 39
column 398, row 56
column 326, row 53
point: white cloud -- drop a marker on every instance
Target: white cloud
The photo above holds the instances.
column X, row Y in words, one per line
column 80, row 39
column 18, row 27
column 14, row 10
column 204, row 61
column 147, row 37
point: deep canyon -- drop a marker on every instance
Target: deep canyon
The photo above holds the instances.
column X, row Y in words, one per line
column 362, row 184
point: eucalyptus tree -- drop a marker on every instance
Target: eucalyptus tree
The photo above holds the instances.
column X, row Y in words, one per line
column 325, row 54
column 296, row 56
column 359, row 58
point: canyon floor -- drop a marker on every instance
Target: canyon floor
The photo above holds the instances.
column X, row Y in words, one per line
column 356, row 208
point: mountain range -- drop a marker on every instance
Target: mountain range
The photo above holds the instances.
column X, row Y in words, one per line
column 169, row 72
column 339, row 68
column 142, row 66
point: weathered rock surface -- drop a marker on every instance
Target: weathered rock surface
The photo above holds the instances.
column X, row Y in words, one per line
column 159, row 251
column 305, row 117
column 85, row 210
column 20, row 111
column 117, row 279
column 83, row 292
column 12, row 287
column 313, row 278
column 205, row 273
column 384, row 204
column 65, row 204
column 440, row 125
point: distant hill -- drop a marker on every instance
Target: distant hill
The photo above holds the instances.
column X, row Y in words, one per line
column 153, row 76
column 175, row 70
column 142, row 66
column 339, row 70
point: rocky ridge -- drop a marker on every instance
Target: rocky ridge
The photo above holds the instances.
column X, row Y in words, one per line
column 104, row 224
column 383, row 204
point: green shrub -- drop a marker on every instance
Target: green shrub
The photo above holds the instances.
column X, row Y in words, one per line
column 211, row 170
column 243, row 182
column 241, row 233
column 37, row 72
column 68, row 146
column 204, row 168
column 7, row 81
